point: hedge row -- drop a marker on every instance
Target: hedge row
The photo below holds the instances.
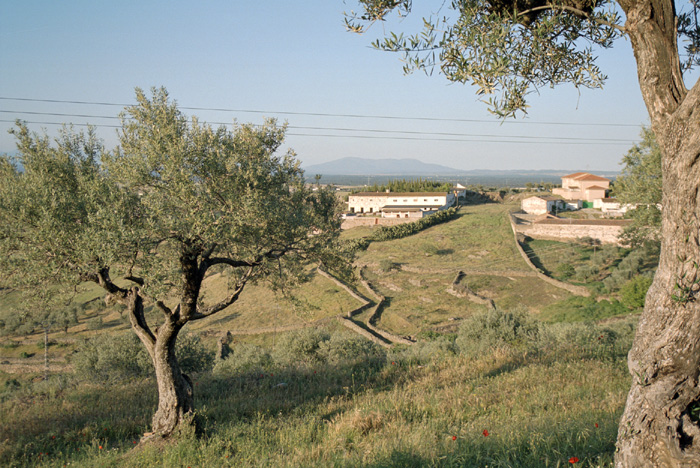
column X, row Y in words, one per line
column 400, row 231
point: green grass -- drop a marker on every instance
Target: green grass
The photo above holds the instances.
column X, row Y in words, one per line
column 537, row 411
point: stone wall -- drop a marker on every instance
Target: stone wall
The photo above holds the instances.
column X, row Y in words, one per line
column 608, row 233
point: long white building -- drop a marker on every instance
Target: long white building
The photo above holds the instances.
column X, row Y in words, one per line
column 399, row 204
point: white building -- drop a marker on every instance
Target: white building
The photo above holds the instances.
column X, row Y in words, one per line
column 399, row 204
column 541, row 205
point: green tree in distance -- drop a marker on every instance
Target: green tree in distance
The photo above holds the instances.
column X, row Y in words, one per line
column 148, row 221
column 509, row 49
column 640, row 186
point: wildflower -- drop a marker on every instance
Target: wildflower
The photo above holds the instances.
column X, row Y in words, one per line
column 454, row 437
column 596, row 424
column 486, row 433
column 573, row 460
column 393, row 363
column 100, row 447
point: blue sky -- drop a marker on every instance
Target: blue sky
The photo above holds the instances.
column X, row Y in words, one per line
column 288, row 60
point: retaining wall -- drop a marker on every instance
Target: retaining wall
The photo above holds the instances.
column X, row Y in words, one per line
column 606, row 231
column 577, row 290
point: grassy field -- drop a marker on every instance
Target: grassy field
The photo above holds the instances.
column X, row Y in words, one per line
column 426, row 405
column 501, row 409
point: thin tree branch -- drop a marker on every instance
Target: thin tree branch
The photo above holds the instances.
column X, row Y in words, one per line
column 577, row 12
column 205, row 312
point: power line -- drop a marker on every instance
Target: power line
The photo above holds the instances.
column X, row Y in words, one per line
column 324, row 114
column 468, row 138
column 342, row 129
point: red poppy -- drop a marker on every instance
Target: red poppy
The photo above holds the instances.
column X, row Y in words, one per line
column 596, row 424
column 100, row 447
column 134, row 441
column 573, row 460
column 454, row 437
column 393, row 363
column 486, row 433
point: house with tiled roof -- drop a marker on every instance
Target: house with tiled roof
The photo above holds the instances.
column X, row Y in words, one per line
column 583, row 186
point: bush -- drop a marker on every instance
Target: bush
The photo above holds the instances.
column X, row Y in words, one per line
column 386, row 265
column 111, row 357
column 496, row 329
column 582, row 309
column 586, row 340
column 192, row 356
column 342, row 348
column 244, row 358
column 301, row 346
column 422, row 352
column 117, row 357
column 94, row 323
column 586, row 272
column 634, row 292
column 565, row 270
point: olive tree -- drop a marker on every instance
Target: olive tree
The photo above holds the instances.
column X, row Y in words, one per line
column 148, row 221
column 510, row 48
column 639, row 187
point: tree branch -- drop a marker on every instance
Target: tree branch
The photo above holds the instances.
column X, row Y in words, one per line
column 138, row 320
column 204, row 312
column 575, row 11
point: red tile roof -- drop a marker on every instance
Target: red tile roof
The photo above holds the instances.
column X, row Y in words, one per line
column 592, row 177
column 574, row 175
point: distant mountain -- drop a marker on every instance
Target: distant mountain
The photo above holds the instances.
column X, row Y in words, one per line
column 394, row 167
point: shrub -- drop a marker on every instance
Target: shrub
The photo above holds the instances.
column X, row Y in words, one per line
column 244, row 358
column 586, row 340
column 191, row 355
column 565, row 270
column 582, row 309
column 301, row 346
column 633, row 293
column 422, row 352
column 349, row 348
column 117, row 357
column 94, row 323
column 111, row 357
column 496, row 329
column 386, row 265
column 586, row 272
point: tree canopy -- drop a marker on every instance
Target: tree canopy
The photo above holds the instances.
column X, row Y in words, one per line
column 509, row 49
column 176, row 201
column 639, row 186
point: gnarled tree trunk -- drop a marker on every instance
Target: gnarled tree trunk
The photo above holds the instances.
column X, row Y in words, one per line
column 659, row 427
column 175, row 393
column 175, row 397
